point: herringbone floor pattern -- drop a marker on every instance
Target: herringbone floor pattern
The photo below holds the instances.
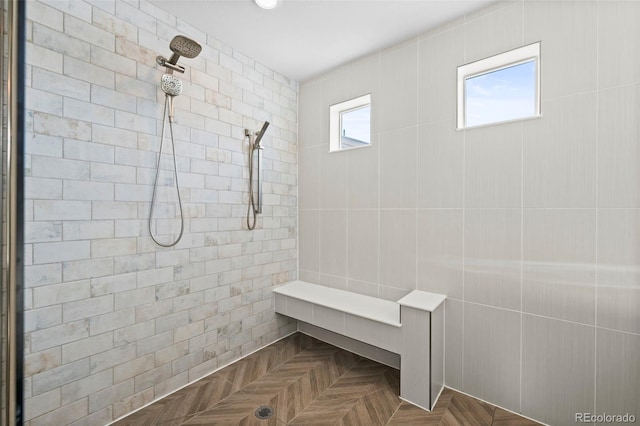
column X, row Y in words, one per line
column 309, row 382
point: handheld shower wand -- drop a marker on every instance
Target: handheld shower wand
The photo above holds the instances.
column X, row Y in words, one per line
column 260, row 134
column 172, row 87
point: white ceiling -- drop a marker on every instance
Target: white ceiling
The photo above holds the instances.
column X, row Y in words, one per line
column 303, row 38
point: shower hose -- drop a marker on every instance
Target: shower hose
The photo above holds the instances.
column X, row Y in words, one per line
column 167, row 112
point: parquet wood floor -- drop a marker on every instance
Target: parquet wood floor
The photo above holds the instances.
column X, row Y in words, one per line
column 309, row 382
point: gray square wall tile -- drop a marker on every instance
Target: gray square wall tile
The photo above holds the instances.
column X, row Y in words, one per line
column 363, row 77
column 309, row 236
column 394, row 294
column 439, row 56
column 493, row 166
column 334, row 87
column 494, row 32
column 618, row 373
column 309, row 161
column 363, row 287
column 559, row 154
column 398, row 81
column 363, row 173
column 333, row 281
column 333, row 242
column 618, row 149
column 555, row 385
column 439, row 253
column 568, row 64
column 309, row 276
column 618, row 32
column 398, row 168
column 440, row 165
column 618, row 305
column 492, row 259
column 559, row 249
column 492, row 355
column 362, row 252
column 333, row 169
column 398, row 248
column 309, row 114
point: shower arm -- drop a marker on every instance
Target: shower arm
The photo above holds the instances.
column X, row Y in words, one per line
column 164, row 62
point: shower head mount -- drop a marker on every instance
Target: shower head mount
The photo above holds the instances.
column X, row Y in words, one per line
column 180, row 46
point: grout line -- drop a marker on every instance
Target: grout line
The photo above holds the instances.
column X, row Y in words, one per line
column 521, row 263
column 517, row 311
column 464, row 206
column 628, row 333
column 478, row 208
column 361, row 281
column 548, row 317
column 539, row 100
column 347, row 215
column 378, row 191
column 417, row 161
column 615, row 86
column 319, row 195
column 297, row 185
column 597, row 131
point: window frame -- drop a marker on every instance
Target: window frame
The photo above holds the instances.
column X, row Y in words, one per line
column 495, row 63
column 335, row 121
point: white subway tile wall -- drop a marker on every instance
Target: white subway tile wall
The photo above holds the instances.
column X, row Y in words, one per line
column 114, row 321
column 523, row 225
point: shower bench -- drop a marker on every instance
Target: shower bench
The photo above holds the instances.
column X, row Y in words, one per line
column 412, row 327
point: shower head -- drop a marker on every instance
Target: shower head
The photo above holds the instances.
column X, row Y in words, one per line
column 171, row 85
column 261, row 133
column 183, row 46
column 180, row 46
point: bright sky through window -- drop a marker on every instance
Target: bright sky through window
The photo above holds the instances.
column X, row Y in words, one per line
column 356, row 124
column 501, row 95
column 350, row 124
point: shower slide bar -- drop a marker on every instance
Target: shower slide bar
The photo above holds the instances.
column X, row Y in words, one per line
column 255, row 203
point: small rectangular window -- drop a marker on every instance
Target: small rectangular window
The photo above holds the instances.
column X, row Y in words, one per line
column 350, row 124
column 500, row 88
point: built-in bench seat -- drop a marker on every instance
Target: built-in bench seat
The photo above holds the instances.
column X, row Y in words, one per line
column 412, row 327
column 364, row 318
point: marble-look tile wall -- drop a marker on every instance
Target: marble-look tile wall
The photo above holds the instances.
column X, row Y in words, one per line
column 114, row 321
column 530, row 228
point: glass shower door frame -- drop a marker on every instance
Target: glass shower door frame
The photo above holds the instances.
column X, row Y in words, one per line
column 12, row 124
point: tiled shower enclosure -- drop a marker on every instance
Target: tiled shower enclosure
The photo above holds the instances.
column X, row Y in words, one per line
column 112, row 320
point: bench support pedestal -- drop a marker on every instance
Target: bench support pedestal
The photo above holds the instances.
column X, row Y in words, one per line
column 421, row 359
